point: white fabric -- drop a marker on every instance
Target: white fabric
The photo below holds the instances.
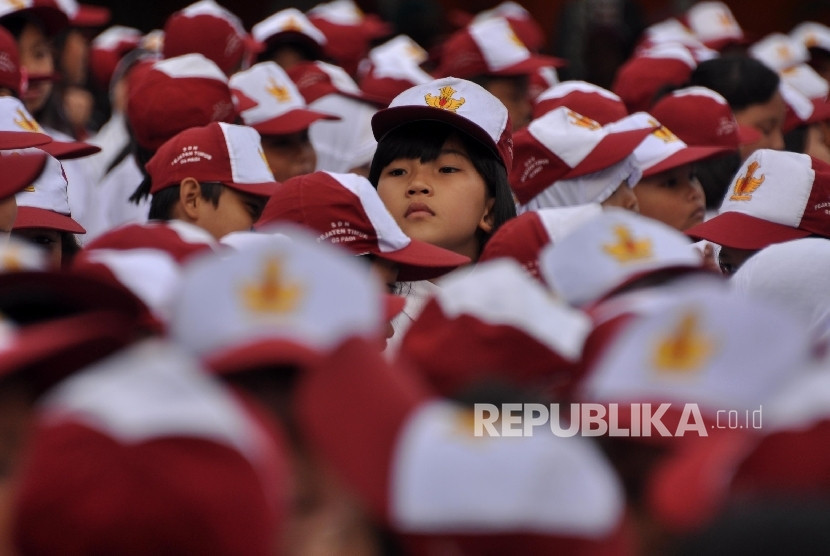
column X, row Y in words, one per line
column 190, row 65
column 657, row 146
column 345, row 144
column 299, row 290
column 479, row 107
column 112, row 138
column 417, row 294
column 779, row 52
column 110, row 38
column 400, row 58
column 782, row 196
column 500, row 292
column 248, row 164
column 446, row 480
column 149, row 390
column 568, row 135
column 18, row 255
column 341, row 12
column 111, row 207
column 807, row 81
column 794, row 275
column 590, row 188
column 271, row 88
column 290, row 19
column 564, row 88
column 49, row 190
column 209, row 7
column 711, row 21
column 609, row 249
column 812, row 34
column 737, row 352
column 498, row 43
column 390, row 236
column 796, row 100
column 559, row 222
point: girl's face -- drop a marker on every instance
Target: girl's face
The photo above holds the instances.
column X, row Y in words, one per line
column 766, row 118
column 50, row 240
column 622, row 197
column 443, row 202
column 674, row 197
column 36, row 58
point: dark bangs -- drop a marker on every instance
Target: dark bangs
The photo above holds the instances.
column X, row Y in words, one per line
column 420, row 140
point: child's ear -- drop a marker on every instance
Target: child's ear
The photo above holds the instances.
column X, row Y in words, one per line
column 190, row 196
column 488, row 220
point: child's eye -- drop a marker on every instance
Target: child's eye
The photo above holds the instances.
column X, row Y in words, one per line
column 43, row 240
column 448, row 169
column 396, row 172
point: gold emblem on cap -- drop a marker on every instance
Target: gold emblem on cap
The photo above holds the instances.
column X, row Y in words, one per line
column 685, row 348
column 444, row 99
column 27, row 123
column 291, row 24
column 282, row 94
column 29, row 188
column 583, row 121
column 272, row 294
column 725, row 19
column 784, row 52
column 262, row 156
column 746, row 185
column 514, row 38
column 627, row 248
column 17, row 4
column 11, row 259
column 811, row 40
column 662, row 132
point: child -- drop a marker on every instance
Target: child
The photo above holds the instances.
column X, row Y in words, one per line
column 444, row 149
column 213, row 176
column 441, row 164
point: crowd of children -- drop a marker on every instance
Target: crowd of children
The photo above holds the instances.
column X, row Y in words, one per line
column 315, row 288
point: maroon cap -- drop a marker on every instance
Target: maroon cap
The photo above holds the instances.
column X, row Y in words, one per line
column 489, row 47
column 209, row 29
column 641, row 77
column 219, row 152
column 49, row 12
column 10, row 76
column 107, row 49
column 345, row 210
column 318, row 79
column 176, row 94
column 20, row 170
column 348, row 42
column 601, row 105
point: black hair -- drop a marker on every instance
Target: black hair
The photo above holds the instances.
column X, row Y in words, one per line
column 422, row 140
column 741, row 80
column 795, row 140
column 715, row 175
column 163, row 201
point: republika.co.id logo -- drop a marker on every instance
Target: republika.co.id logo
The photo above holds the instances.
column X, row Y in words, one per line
column 595, row 419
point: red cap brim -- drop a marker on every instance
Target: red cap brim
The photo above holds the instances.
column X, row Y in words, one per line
column 22, row 139
column 422, row 261
column 748, row 135
column 611, row 150
column 65, row 150
column 91, row 16
column 19, row 171
column 685, row 156
column 262, row 353
column 33, row 217
column 742, row 231
column 292, row 122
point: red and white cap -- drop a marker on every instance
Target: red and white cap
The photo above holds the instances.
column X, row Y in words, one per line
column 705, row 346
column 17, row 255
column 20, row 169
column 18, row 129
column 289, row 24
column 673, row 31
column 176, row 94
column 494, row 324
column 792, row 275
column 807, row 81
column 49, row 12
column 280, row 108
column 812, row 35
column 209, row 29
column 348, row 31
column 801, row 110
column 143, row 452
column 394, row 67
column 457, row 102
column 521, row 20
column 584, row 98
column 147, row 259
column 524, row 237
column 417, row 464
column 489, row 47
column 775, row 196
column 44, row 203
column 563, row 144
column 85, row 15
column 714, row 24
column 701, row 117
column 662, row 150
column 345, row 209
column 641, row 77
column 107, row 50
column 10, row 75
column 610, row 252
column 226, row 153
column 779, row 52
column 276, row 301
column 318, row 79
